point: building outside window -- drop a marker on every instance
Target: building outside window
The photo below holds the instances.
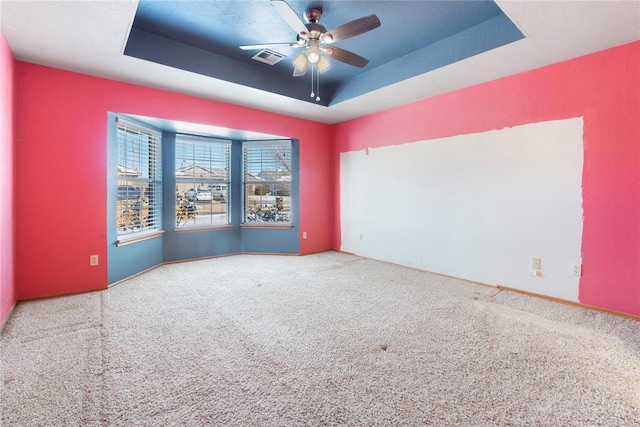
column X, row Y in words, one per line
column 139, row 177
column 202, row 181
column 267, row 182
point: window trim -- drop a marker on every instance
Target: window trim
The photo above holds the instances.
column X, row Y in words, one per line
column 266, row 225
column 139, row 238
column 204, row 228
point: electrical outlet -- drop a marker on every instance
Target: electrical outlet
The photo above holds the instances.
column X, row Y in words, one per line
column 576, row 269
column 536, row 263
column 93, row 260
column 304, row 234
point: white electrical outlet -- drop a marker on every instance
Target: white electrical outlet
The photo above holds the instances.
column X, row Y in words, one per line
column 93, row 260
column 304, row 234
column 536, row 263
column 576, row 269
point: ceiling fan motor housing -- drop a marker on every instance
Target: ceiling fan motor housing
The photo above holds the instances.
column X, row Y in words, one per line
column 315, row 30
column 312, row 17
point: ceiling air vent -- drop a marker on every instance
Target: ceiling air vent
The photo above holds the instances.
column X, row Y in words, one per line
column 268, row 56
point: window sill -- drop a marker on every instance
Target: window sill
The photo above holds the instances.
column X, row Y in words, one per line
column 124, row 241
column 203, row 229
column 267, row 226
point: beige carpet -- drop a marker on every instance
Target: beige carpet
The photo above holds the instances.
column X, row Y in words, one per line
column 327, row 339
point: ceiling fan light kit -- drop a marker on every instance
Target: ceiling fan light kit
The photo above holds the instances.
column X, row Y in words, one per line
column 300, row 62
column 323, row 64
column 313, row 53
column 315, row 38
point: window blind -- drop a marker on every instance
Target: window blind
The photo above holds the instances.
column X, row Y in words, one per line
column 203, row 174
column 267, row 181
column 139, row 176
column 267, row 161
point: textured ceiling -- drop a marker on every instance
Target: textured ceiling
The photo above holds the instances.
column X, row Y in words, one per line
column 415, row 37
column 90, row 37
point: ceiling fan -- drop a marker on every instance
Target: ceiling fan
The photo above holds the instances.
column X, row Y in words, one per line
column 316, row 40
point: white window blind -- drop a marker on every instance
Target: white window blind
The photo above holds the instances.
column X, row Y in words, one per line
column 139, row 191
column 267, row 181
column 203, row 174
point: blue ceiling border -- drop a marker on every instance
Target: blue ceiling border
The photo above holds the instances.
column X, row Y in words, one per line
column 169, row 49
column 496, row 32
column 162, row 50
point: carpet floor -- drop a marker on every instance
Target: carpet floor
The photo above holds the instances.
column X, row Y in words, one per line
column 325, row 339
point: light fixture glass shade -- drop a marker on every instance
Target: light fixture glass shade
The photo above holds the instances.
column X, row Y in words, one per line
column 313, row 56
column 300, row 61
column 323, row 64
column 326, row 38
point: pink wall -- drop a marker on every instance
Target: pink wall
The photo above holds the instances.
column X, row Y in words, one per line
column 61, row 157
column 604, row 88
column 7, row 71
column 61, row 170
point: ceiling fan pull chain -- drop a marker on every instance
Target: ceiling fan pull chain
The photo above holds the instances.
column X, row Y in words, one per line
column 312, row 93
column 317, row 83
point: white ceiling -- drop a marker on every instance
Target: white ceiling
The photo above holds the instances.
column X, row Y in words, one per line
column 89, row 37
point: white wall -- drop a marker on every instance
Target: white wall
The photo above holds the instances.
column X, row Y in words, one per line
column 476, row 206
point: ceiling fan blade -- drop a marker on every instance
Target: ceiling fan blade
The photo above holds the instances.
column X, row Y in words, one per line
column 266, row 45
column 352, row 29
column 347, row 57
column 289, row 16
column 298, row 72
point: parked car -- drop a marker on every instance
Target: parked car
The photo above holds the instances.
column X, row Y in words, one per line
column 204, row 195
column 219, row 196
column 190, row 194
column 219, row 192
column 128, row 192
